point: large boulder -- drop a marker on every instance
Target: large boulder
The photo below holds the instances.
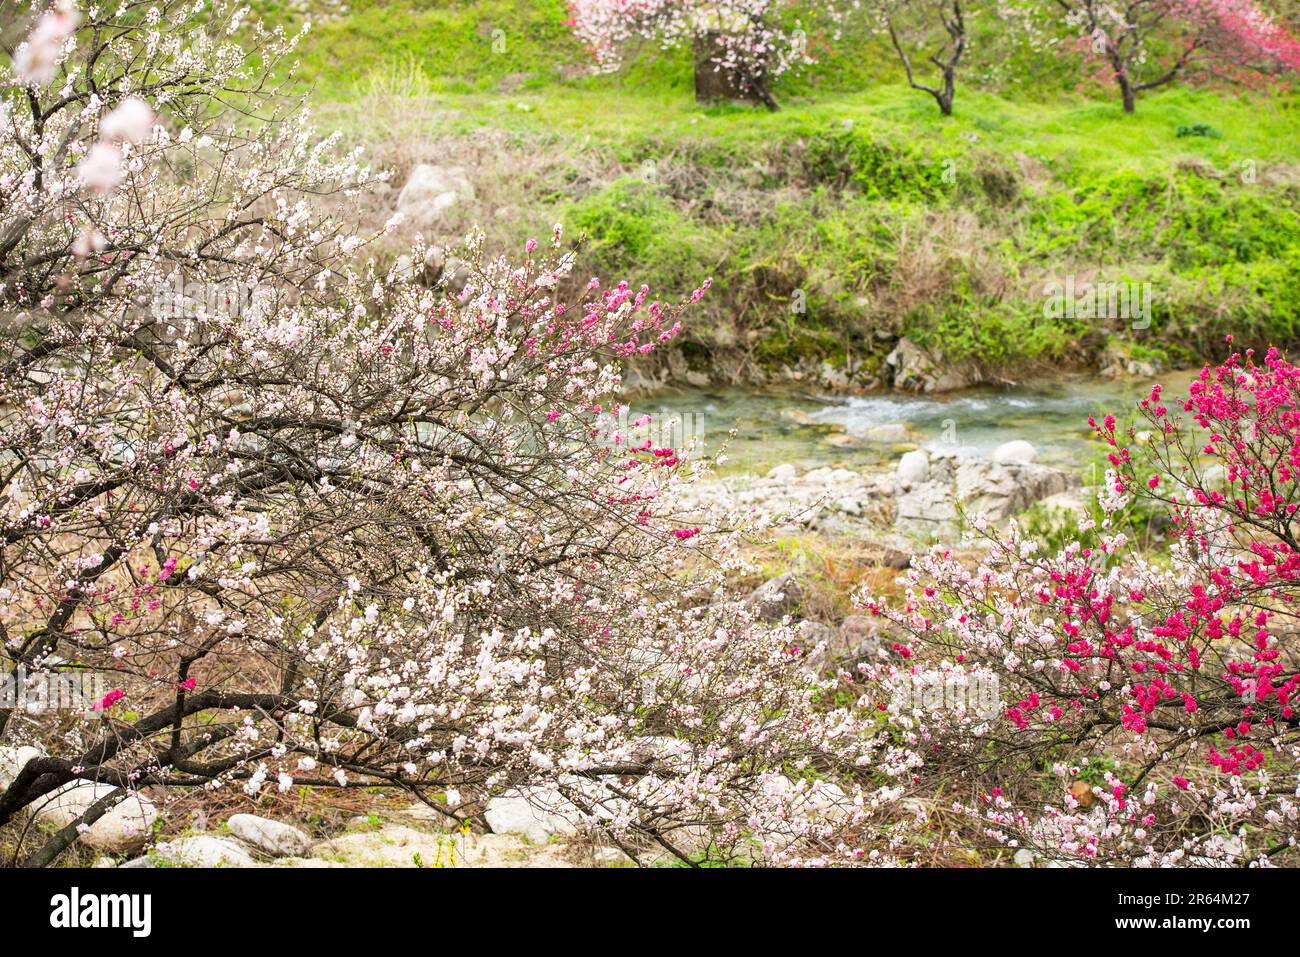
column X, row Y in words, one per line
column 538, row 813
column 1000, row 490
column 431, row 193
column 927, row 494
column 913, row 467
column 274, row 837
column 202, row 850
column 123, row 828
column 924, row 505
column 1015, row 452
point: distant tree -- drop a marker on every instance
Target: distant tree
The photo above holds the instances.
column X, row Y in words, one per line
column 914, row 25
column 741, row 46
column 1147, row 44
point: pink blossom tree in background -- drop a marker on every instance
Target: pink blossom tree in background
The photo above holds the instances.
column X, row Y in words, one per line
column 1146, row 44
column 327, row 524
column 1158, row 694
column 741, row 46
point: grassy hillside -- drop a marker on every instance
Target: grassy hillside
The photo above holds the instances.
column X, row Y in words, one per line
column 856, row 214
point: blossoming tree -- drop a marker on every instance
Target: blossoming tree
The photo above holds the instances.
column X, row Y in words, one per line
column 741, row 46
column 337, row 526
column 1160, row 695
column 1146, row 44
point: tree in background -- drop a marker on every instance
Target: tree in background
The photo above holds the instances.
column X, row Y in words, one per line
column 1146, row 44
column 741, row 46
column 913, row 25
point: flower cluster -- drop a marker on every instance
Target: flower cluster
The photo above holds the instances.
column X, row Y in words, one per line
column 1162, row 694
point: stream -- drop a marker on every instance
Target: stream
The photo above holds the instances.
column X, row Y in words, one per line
column 812, row 430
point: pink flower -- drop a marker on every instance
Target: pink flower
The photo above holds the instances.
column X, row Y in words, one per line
column 37, row 59
column 110, row 699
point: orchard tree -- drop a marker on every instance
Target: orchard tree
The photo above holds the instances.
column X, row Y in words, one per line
column 1146, row 44
column 740, row 46
column 928, row 25
column 324, row 524
column 1160, row 696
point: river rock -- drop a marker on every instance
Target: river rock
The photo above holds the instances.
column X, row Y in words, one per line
column 395, row 845
column 858, row 637
column 124, row 828
column 431, row 193
column 1000, row 490
column 1015, row 452
column 538, row 814
column 783, row 472
column 13, row 760
column 274, row 837
column 997, row 489
column 892, row 433
column 913, row 467
column 916, row 370
column 202, row 850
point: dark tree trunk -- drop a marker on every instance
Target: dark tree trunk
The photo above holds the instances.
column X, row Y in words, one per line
column 714, row 82
column 1126, row 91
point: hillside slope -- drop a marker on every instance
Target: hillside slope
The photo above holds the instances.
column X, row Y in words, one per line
column 856, row 214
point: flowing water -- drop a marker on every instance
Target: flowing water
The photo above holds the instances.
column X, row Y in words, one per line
column 811, row 430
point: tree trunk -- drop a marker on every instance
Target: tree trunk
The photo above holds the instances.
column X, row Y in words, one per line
column 1125, row 87
column 714, row 82
column 949, row 91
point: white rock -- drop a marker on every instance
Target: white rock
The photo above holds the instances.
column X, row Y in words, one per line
column 1017, row 451
column 124, row 828
column 538, row 813
column 532, row 813
column 784, row 472
column 13, row 760
column 202, row 850
column 274, row 837
column 893, row 432
column 913, row 467
column 916, row 370
column 431, row 192
column 1023, row 858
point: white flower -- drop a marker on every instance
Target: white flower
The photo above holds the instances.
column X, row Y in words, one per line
column 101, row 170
column 131, row 122
column 37, row 59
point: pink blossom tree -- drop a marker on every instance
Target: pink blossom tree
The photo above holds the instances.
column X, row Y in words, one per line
column 1157, row 697
column 325, row 524
column 1146, row 44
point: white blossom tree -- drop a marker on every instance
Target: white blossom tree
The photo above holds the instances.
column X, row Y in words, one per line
column 328, row 525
